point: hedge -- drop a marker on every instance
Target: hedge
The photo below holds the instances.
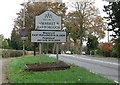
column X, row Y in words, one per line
column 6, row 53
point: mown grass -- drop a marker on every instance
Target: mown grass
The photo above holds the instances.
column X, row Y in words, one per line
column 17, row 74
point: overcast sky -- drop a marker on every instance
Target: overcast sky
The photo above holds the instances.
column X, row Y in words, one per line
column 9, row 8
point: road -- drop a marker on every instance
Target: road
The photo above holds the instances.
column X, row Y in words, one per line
column 108, row 67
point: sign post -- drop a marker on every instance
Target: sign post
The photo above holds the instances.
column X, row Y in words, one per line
column 23, row 47
column 23, row 33
column 57, row 51
column 40, row 52
column 34, row 50
column 48, row 30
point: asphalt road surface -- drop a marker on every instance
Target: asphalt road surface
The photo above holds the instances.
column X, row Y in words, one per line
column 108, row 67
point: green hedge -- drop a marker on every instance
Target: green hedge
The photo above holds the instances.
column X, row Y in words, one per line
column 6, row 53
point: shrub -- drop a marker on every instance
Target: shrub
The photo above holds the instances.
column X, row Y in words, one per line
column 114, row 54
column 92, row 52
column 88, row 52
column 107, row 53
column 11, row 53
column 98, row 52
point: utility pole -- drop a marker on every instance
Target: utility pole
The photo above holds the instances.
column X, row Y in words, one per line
column 108, row 36
column 24, row 27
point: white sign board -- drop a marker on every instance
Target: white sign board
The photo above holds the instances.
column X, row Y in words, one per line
column 48, row 36
column 24, row 38
column 48, row 21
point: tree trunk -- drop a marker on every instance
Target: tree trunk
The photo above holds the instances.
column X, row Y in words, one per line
column 81, row 41
column 75, row 47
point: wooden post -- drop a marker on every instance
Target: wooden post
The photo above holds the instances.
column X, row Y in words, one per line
column 57, row 51
column 23, row 48
column 40, row 52
column 34, row 49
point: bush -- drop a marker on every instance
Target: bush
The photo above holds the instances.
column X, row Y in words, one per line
column 6, row 53
column 87, row 52
column 98, row 52
column 107, row 53
column 114, row 54
column 92, row 52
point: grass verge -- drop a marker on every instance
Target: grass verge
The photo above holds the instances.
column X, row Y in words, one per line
column 17, row 74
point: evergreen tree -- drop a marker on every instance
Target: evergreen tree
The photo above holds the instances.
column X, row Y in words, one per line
column 92, row 43
column 16, row 42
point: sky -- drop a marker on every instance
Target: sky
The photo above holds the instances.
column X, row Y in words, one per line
column 9, row 8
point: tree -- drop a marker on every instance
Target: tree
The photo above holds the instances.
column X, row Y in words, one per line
column 5, row 44
column 117, row 47
column 106, row 46
column 33, row 9
column 16, row 42
column 92, row 43
column 9, row 42
column 1, row 40
column 85, row 20
column 113, row 18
